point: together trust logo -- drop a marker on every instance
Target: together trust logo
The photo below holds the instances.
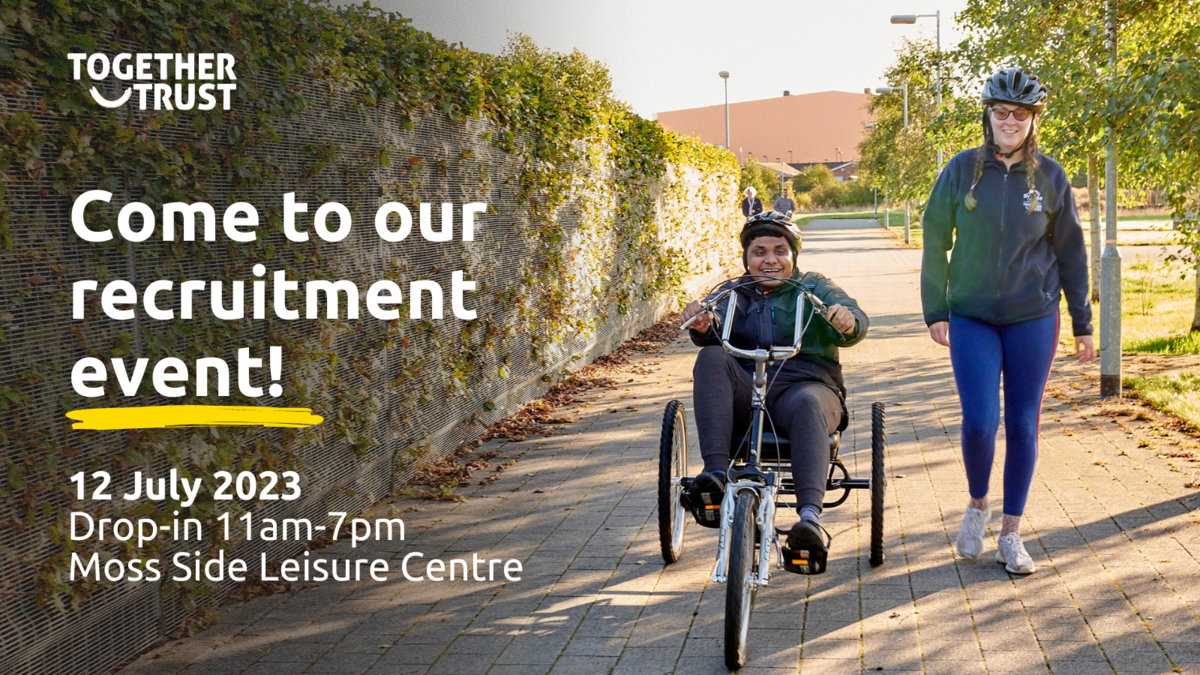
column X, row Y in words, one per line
column 162, row 81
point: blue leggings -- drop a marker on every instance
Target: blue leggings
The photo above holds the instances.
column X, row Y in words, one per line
column 1023, row 352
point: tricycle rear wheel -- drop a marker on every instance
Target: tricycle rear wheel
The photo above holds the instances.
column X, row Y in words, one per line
column 878, row 482
column 672, row 467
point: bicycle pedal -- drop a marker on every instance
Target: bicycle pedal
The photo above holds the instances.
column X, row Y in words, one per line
column 804, row 561
column 705, row 507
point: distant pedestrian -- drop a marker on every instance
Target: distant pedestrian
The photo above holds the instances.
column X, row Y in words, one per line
column 784, row 204
column 751, row 205
column 1008, row 213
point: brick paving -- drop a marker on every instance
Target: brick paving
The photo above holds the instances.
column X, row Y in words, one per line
column 1113, row 530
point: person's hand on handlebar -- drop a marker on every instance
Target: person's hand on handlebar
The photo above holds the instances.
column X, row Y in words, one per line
column 841, row 318
column 702, row 323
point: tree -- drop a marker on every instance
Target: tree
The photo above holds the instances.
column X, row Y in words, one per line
column 829, row 195
column 900, row 161
column 764, row 180
column 858, row 193
column 812, row 176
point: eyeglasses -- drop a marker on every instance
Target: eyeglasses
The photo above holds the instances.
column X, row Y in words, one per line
column 1002, row 114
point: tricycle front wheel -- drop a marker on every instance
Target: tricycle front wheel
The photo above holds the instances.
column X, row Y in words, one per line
column 742, row 581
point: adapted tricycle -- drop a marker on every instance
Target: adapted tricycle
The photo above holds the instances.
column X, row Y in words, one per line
column 759, row 478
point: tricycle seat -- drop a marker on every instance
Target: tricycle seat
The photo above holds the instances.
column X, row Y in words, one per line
column 777, row 448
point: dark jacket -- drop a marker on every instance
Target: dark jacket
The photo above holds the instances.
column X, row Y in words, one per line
column 766, row 319
column 751, row 207
column 1007, row 266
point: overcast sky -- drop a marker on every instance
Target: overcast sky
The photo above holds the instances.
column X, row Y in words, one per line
column 665, row 55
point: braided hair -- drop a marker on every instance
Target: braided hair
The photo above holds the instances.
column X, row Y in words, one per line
column 1030, row 148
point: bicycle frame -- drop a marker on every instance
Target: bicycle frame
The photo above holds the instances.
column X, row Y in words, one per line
column 750, row 477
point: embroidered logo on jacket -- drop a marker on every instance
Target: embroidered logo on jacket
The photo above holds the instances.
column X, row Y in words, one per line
column 1029, row 197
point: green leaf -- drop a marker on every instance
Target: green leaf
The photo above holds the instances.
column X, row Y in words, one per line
column 16, row 477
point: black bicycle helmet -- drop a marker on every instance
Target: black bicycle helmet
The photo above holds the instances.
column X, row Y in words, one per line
column 770, row 224
column 1013, row 85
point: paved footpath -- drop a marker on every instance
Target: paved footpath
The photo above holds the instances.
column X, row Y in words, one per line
column 1117, row 544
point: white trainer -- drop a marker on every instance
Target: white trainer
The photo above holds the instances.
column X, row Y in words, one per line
column 969, row 543
column 1012, row 553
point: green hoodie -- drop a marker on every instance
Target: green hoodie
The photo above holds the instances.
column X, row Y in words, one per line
column 769, row 319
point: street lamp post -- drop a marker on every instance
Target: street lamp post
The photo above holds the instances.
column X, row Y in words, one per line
column 1110, row 261
column 888, row 90
column 725, row 76
column 912, row 18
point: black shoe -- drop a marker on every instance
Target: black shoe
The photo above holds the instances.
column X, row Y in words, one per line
column 808, row 535
column 704, row 496
column 807, row 548
column 709, row 482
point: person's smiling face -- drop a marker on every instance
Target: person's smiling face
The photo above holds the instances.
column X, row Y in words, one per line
column 772, row 257
column 1010, row 133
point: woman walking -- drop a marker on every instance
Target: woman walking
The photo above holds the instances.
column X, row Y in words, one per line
column 1007, row 215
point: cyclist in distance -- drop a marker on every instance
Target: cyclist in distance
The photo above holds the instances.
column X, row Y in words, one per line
column 806, row 400
column 1006, row 214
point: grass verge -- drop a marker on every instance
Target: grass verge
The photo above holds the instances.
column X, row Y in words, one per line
column 1085, row 216
column 1157, row 304
column 1178, row 394
column 1157, row 308
column 804, row 219
column 895, row 222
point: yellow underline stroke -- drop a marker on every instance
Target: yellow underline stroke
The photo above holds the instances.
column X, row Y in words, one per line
column 167, row 416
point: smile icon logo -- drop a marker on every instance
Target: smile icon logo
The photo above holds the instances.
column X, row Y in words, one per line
column 111, row 104
column 161, row 81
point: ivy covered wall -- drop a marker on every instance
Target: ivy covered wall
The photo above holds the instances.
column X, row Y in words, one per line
column 599, row 221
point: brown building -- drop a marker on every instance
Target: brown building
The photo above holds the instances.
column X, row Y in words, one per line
column 841, row 170
column 822, row 127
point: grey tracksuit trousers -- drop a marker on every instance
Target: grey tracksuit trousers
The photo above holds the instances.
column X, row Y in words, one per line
column 804, row 411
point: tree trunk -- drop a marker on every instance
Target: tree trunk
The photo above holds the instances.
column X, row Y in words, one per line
column 1196, row 314
column 1094, row 211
